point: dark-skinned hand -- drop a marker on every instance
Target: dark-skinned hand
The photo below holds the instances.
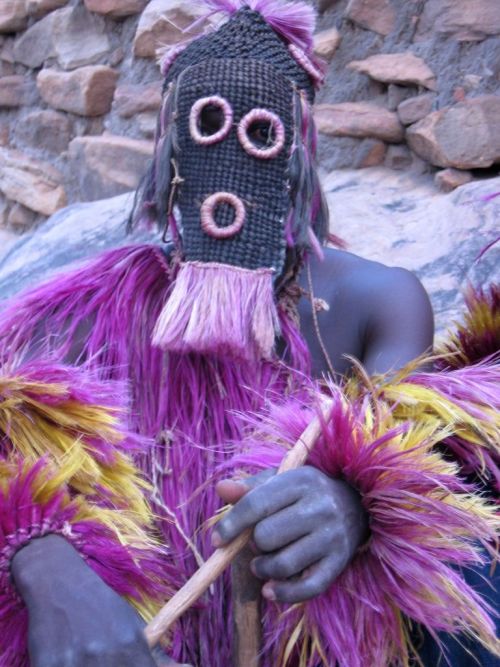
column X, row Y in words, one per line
column 75, row 619
column 307, row 526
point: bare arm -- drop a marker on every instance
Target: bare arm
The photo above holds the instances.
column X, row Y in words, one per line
column 399, row 324
column 379, row 315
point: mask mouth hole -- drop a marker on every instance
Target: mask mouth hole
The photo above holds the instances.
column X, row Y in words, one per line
column 262, row 134
column 210, row 120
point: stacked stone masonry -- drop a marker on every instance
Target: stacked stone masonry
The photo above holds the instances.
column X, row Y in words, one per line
column 412, row 85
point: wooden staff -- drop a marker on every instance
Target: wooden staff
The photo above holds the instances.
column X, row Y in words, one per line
column 211, row 570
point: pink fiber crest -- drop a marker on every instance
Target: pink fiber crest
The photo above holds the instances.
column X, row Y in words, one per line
column 313, row 68
column 166, row 56
column 293, row 21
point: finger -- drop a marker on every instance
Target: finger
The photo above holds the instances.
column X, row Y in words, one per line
column 292, row 560
column 232, row 490
column 283, row 527
column 314, row 581
column 260, row 502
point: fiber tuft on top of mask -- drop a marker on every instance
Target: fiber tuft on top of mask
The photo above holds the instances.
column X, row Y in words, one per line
column 293, row 21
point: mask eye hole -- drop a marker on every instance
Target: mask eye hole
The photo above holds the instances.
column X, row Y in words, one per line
column 210, row 120
column 262, row 134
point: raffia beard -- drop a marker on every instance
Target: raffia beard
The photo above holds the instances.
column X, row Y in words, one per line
column 219, row 309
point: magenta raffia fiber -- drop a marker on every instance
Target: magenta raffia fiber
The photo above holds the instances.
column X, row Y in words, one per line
column 219, row 309
column 293, row 21
column 65, row 468
column 194, row 412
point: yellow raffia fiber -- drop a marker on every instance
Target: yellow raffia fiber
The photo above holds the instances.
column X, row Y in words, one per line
column 391, row 400
column 127, row 530
column 429, row 418
column 481, row 320
column 64, row 434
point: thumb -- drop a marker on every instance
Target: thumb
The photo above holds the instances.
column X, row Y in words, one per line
column 232, row 490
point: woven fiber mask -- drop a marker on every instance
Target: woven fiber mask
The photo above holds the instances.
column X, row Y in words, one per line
column 233, row 176
column 234, row 133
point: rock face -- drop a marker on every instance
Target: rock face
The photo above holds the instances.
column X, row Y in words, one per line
column 87, row 91
column 94, row 228
column 326, row 43
column 465, row 136
column 13, row 15
column 376, row 15
column 451, row 179
column 358, row 119
column 414, row 109
column 371, row 153
column 398, row 157
column 72, row 35
column 109, row 165
column 397, row 45
column 15, row 91
column 464, row 19
column 161, row 24
column 386, row 216
column 38, row 8
column 36, row 45
column 130, row 100
column 116, row 8
column 402, row 68
column 20, row 218
column 46, row 130
column 35, row 184
column 400, row 219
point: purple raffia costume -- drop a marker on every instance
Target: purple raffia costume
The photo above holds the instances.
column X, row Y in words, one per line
column 131, row 383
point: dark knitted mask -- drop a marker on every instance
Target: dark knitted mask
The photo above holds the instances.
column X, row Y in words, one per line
column 233, row 175
column 234, row 134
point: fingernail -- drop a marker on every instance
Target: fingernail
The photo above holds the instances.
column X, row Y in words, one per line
column 216, row 540
column 268, row 593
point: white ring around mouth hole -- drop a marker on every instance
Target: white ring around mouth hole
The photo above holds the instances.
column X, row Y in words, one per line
column 208, row 223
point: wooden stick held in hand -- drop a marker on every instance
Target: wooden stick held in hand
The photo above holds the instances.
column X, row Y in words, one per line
column 211, row 570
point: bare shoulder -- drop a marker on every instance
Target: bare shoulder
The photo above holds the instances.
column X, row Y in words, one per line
column 356, row 276
column 380, row 314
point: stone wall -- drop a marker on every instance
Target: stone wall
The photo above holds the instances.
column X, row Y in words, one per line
column 411, row 84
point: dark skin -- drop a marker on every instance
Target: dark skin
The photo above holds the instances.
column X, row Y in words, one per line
column 307, row 526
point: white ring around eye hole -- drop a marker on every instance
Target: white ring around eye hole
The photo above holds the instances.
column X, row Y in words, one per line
column 195, row 115
column 263, row 153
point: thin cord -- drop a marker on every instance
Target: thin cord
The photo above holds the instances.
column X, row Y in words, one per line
column 316, row 322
